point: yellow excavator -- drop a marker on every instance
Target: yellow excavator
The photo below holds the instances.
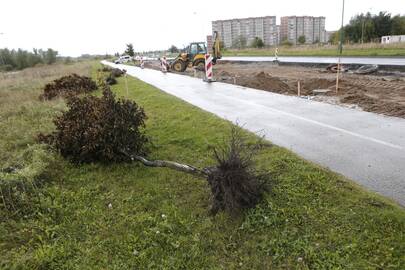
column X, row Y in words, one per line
column 194, row 55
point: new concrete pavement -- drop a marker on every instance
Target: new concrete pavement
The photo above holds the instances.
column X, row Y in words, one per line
column 365, row 147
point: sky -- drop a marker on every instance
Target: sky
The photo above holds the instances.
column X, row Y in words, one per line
column 75, row 27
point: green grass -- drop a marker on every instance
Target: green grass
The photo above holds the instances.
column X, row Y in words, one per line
column 397, row 50
column 159, row 219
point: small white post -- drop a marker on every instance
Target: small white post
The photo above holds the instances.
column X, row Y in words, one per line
column 276, row 54
column 337, row 76
column 299, row 88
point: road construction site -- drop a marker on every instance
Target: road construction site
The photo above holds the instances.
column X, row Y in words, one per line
column 366, row 147
column 381, row 92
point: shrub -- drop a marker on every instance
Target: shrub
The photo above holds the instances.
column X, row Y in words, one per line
column 110, row 80
column 105, row 69
column 286, row 43
column 302, row 39
column 257, row 43
column 107, row 75
column 99, row 129
column 173, row 49
column 6, row 67
column 110, row 77
column 116, row 72
column 68, row 85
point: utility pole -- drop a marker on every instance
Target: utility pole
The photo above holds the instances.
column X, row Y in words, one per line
column 365, row 19
column 340, row 48
column 341, row 29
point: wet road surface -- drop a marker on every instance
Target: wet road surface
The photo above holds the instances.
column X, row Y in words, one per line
column 365, row 147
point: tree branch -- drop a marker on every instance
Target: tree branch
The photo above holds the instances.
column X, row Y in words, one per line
column 171, row 165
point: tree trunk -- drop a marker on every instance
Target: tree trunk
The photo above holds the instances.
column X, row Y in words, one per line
column 204, row 173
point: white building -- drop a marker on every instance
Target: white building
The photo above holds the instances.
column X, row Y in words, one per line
column 264, row 28
column 312, row 28
column 392, row 39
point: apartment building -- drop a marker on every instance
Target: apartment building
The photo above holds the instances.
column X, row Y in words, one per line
column 312, row 28
column 264, row 28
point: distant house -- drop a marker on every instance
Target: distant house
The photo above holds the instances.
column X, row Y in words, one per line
column 392, row 39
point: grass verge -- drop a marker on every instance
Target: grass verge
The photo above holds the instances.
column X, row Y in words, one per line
column 369, row 50
column 126, row 216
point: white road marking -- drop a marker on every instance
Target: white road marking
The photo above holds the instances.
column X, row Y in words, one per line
column 320, row 124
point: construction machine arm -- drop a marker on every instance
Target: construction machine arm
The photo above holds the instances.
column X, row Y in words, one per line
column 216, row 48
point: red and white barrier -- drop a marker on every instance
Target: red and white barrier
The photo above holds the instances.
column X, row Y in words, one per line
column 208, row 68
column 142, row 63
column 163, row 63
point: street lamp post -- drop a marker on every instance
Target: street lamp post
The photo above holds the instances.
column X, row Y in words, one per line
column 340, row 48
column 341, row 29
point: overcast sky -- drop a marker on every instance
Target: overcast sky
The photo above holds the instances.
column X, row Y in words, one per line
column 74, row 27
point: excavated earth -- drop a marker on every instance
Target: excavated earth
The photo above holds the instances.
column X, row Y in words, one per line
column 382, row 93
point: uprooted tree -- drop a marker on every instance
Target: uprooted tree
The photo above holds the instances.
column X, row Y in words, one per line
column 98, row 129
column 72, row 84
column 234, row 181
column 104, row 129
column 108, row 75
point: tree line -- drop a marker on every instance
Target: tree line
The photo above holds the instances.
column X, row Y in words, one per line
column 20, row 59
column 371, row 27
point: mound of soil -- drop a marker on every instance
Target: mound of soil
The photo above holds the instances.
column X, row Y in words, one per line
column 224, row 74
column 266, row 82
column 313, row 84
column 68, row 85
column 370, row 104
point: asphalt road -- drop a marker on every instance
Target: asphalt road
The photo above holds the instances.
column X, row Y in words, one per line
column 365, row 147
column 386, row 61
